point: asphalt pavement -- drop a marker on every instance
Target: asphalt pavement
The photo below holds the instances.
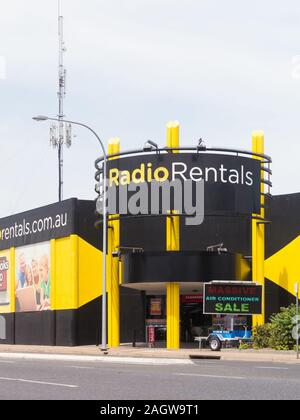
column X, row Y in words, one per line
column 97, row 380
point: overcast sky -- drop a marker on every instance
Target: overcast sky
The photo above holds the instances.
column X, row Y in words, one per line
column 222, row 68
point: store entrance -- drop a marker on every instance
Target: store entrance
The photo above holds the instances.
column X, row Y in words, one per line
column 193, row 323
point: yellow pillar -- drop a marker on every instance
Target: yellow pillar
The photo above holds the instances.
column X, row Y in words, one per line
column 74, row 269
column 113, row 290
column 258, row 233
column 173, row 244
column 173, row 223
column 173, row 315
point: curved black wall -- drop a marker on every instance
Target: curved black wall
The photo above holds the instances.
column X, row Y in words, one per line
column 149, row 267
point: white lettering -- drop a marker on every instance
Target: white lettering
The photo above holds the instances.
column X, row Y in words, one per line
column 177, row 172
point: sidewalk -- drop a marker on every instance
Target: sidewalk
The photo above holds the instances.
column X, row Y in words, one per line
column 127, row 351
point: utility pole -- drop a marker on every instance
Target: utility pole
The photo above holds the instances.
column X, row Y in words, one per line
column 60, row 133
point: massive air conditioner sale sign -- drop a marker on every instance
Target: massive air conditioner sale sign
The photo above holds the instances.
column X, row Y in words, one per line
column 232, row 299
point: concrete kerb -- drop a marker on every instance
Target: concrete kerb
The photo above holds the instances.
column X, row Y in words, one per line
column 93, row 359
column 142, row 355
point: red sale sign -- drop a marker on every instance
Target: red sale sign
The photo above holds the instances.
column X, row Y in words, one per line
column 4, row 267
column 192, row 298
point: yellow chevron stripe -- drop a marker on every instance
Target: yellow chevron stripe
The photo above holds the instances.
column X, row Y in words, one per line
column 76, row 274
column 283, row 268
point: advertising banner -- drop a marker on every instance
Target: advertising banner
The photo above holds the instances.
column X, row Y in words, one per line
column 33, row 278
column 38, row 225
column 155, row 307
column 232, row 299
column 231, row 183
column 4, row 278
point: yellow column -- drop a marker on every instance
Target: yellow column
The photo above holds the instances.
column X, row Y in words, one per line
column 173, row 244
column 173, row 315
column 173, row 223
column 258, row 233
column 113, row 290
column 74, row 268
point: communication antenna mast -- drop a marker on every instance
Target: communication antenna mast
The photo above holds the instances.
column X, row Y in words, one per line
column 61, row 133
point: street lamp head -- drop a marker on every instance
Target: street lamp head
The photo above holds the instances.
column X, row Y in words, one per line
column 40, row 118
column 153, row 144
column 150, row 146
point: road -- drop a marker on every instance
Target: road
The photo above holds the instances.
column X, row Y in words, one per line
column 35, row 379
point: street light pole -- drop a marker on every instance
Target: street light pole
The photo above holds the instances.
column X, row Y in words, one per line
column 104, row 212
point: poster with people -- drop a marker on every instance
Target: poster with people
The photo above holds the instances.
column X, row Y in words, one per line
column 4, row 278
column 33, row 278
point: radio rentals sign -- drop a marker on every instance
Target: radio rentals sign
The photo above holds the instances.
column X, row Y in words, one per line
column 192, row 185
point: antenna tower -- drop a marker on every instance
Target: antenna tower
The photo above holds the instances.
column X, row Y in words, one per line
column 61, row 133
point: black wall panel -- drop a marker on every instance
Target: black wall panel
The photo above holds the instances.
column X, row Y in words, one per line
column 284, row 214
column 36, row 328
column 187, row 266
column 89, row 320
column 148, row 233
column 276, row 298
column 85, row 223
column 233, row 232
column 132, row 310
column 66, row 328
column 80, row 327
